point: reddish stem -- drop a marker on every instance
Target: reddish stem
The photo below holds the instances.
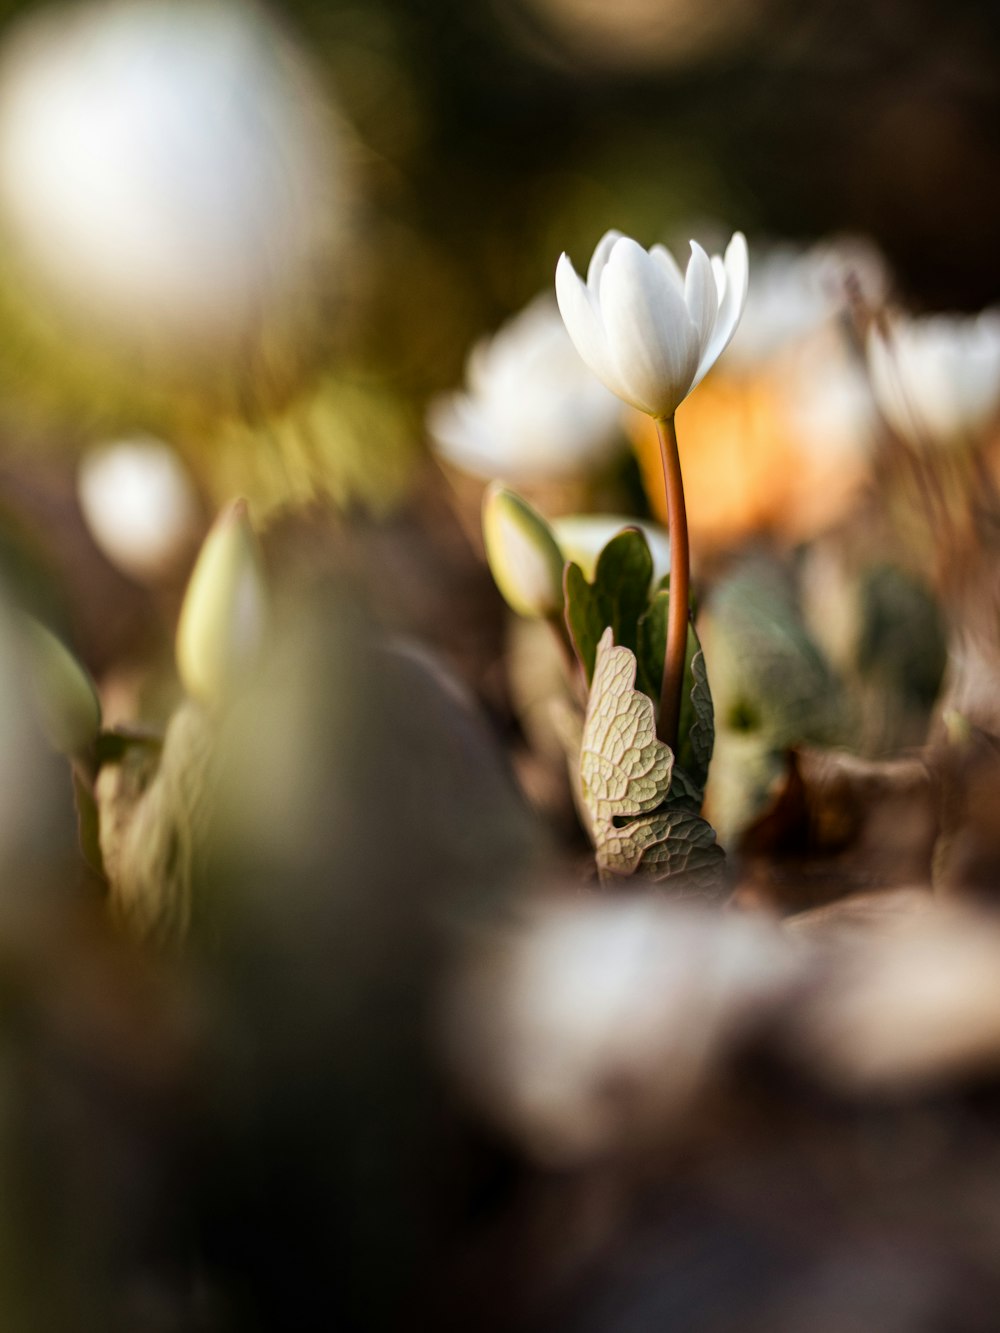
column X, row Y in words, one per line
column 677, row 622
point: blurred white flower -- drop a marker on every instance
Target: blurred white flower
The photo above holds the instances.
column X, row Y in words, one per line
column 166, row 167
column 908, row 1004
column 797, row 292
column 531, row 412
column 937, row 379
column 827, row 396
column 647, row 331
column 593, row 1023
column 582, row 538
column 139, row 504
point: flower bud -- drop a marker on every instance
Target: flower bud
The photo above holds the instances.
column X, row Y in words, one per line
column 582, row 538
column 221, row 625
column 68, row 707
column 524, row 557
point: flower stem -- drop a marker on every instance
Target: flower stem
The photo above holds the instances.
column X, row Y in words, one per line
column 677, row 622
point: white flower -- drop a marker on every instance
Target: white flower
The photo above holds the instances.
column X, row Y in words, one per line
column 576, row 994
column 531, row 413
column 937, row 379
column 165, row 163
column 797, row 293
column 582, row 538
column 649, row 332
column 139, row 504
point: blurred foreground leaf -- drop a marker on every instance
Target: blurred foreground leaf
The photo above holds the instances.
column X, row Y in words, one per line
column 773, row 690
column 151, row 816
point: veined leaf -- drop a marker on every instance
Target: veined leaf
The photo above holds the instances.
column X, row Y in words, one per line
column 626, row 776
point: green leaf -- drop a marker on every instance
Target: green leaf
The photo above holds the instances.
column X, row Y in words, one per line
column 626, row 776
column 652, row 645
column 583, row 616
column 672, row 844
column 768, row 674
column 624, row 768
column 697, row 724
column 685, row 794
column 616, row 599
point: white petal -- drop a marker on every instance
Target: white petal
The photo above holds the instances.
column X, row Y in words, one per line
column 458, row 434
column 980, row 372
column 701, row 295
column 652, row 342
column 737, row 270
column 583, row 324
column 599, row 258
column 719, row 274
column 937, row 380
column 663, row 256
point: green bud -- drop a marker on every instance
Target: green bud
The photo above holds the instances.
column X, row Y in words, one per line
column 65, row 696
column 222, row 620
column 582, row 538
column 524, row 557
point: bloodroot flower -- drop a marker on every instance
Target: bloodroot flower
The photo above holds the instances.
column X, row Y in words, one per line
column 530, row 412
column 649, row 332
column 937, row 379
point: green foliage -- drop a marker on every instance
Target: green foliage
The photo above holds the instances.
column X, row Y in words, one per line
column 902, row 643
column 641, row 807
column 697, row 725
column 769, row 677
column 635, row 817
column 617, row 598
column 773, row 688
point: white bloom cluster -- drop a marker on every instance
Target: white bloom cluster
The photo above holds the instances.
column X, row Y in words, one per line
column 531, row 412
column 798, row 292
column 937, row 379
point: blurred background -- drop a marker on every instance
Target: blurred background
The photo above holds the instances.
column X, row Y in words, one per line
column 268, row 236
column 463, row 147
column 312, row 1012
